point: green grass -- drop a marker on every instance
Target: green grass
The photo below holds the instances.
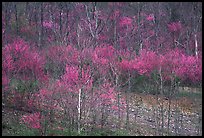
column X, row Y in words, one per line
column 22, row 130
column 120, row 133
column 191, row 95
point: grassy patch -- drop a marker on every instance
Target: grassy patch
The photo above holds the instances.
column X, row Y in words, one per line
column 191, row 95
column 20, row 130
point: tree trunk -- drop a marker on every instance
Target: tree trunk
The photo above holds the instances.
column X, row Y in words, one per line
column 16, row 15
column 60, row 18
column 196, row 46
column 169, row 107
column 127, row 102
column 162, row 101
column 67, row 24
column 41, row 29
column 79, row 111
column 176, row 116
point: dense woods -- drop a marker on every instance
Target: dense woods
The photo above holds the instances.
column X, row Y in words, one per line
column 101, row 68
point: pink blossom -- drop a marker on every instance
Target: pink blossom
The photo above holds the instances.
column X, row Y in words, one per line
column 174, row 26
column 8, row 63
column 104, row 61
column 125, row 21
column 114, row 107
column 150, row 17
column 147, row 43
column 102, row 37
column 122, row 43
column 176, row 62
column 18, row 57
column 125, row 65
column 86, row 78
column 146, row 62
column 72, row 81
column 80, row 7
column 103, row 55
column 45, row 93
column 152, row 32
column 71, row 75
column 47, row 24
column 5, row 80
column 116, row 14
column 32, row 121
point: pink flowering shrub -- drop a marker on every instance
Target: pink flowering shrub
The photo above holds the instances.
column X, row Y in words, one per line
column 125, row 21
column 176, row 63
column 150, row 17
column 93, row 53
column 190, row 68
column 57, row 58
column 7, row 67
column 74, row 81
column 44, row 99
column 22, row 72
column 5, row 80
column 106, row 96
column 101, row 58
column 146, row 62
column 115, row 14
column 56, row 52
column 50, row 25
column 47, row 24
column 22, row 62
column 107, row 51
column 126, row 65
column 174, row 26
column 32, row 120
column 71, row 77
column 85, row 55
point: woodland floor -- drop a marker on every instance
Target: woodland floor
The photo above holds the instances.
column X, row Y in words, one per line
column 142, row 116
column 143, row 122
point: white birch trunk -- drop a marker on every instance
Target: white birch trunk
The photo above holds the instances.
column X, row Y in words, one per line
column 162, row 102
column 196, row 46
column 79, row 110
